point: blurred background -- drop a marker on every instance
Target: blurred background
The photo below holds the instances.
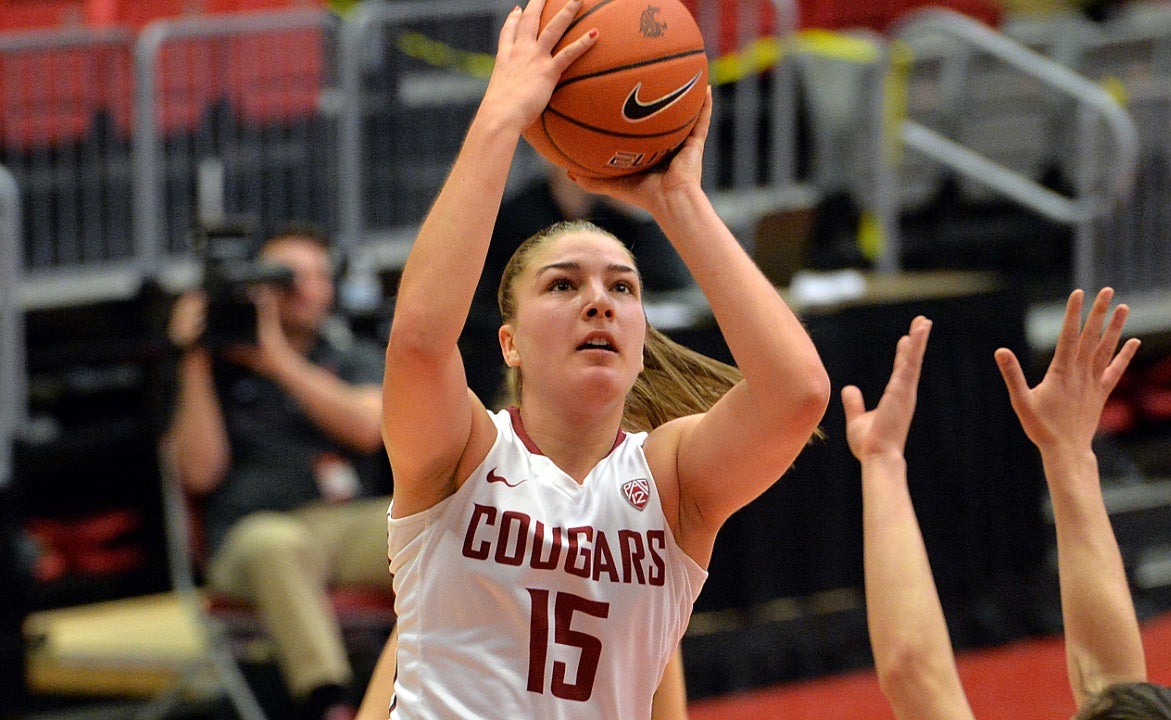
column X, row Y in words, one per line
column 974, row 161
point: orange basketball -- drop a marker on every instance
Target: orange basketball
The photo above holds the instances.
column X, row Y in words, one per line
column 633, row 97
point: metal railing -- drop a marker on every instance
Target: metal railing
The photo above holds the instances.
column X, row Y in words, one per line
column 237, row 104
column 755, row 116
column 355, row 122
column 1131, row 55
column 411, row 76
column 64, row 107
column 844, row 77
column 1104, row 141
column 751, row 160
column 13, row 383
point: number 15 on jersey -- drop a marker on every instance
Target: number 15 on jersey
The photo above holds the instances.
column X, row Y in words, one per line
column 564, row 605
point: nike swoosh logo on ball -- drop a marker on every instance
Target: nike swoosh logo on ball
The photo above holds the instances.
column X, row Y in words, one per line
column 636, row 110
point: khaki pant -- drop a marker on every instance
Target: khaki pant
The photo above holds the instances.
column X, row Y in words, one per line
column 284, row 562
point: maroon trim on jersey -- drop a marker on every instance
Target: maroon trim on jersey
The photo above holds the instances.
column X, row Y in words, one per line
column 519, row 427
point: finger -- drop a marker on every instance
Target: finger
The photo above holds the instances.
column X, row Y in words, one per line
column 1114, row 371
column 1067, row 337
column 916, row 346
column 904, row 377
column 852, row 402
column 1014, row 376
column 530, row 17
column 571, row 52
column 703, row 124
column 507, row 35
column 1092, row 329
column 1109, row 340
column 558, row 24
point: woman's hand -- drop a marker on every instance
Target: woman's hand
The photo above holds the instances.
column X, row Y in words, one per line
column 1065, row 408
column 883, row 430
column 526, row 70
column 649, row 189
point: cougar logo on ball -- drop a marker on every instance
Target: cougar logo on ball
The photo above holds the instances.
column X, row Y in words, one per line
column 649, row 25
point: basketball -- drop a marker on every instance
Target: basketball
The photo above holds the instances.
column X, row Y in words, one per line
column 633, row 97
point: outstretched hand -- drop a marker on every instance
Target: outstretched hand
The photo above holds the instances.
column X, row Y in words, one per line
column 883, row 430
column 1064, row 409
column 526, row 69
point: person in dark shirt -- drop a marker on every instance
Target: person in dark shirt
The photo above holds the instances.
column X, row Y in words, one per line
column 280, row 442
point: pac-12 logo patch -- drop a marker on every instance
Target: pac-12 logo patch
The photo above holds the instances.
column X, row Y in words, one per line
column 637, row 492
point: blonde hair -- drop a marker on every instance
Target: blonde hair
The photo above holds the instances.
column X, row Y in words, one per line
column 675, row 380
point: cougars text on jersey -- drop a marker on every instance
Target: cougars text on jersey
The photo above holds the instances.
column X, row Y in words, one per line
column 514, row 538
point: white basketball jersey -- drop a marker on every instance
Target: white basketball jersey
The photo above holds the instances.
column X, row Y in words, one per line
column 528, row 595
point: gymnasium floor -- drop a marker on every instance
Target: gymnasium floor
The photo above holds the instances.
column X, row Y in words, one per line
column 1023, row 680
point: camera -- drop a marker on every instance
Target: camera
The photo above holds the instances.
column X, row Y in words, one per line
column 229, row 274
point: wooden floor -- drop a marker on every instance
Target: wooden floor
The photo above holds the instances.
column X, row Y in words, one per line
column 135, row 647
column 1021, row 681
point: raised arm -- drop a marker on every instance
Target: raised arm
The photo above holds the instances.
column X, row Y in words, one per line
column 908, row 634
column 430, row 420
column 730, row 455
column 197, row 437
column 1061, row 415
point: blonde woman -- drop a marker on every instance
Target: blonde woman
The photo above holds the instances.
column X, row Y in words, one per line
column 546, row 557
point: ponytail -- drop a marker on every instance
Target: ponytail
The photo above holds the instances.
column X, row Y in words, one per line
column 675, row 381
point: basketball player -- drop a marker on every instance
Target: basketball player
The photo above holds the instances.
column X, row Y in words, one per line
column 912, row 652
column 669, row 702
column 546, row 558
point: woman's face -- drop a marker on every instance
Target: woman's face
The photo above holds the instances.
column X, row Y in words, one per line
column 579, row 323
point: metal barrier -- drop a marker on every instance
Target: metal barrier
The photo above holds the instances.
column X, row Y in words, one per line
column 411, row 76
column 1100, row 178
column 844, row 78
column 13, row 391
column 232, row 115
column 64, row 103
column 754, row 115
column 257, row 113
column 1131, row 56
column 752, row 157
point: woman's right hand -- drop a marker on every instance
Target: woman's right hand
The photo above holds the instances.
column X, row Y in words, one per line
column 650, row 189
column 1065, row 408
column 526, row 70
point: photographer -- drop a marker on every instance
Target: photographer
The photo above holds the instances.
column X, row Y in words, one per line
column 280, row 440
